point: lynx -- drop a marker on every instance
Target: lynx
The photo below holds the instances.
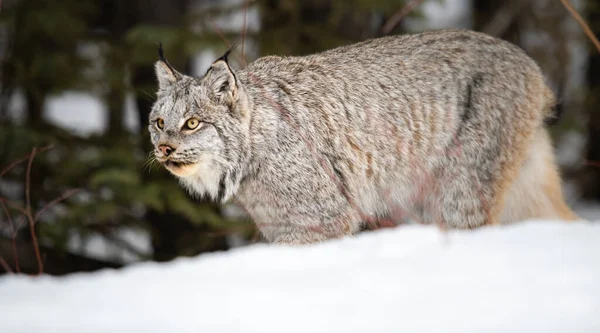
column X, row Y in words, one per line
column 444, row 127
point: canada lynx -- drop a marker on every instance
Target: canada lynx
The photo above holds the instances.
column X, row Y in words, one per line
column 447, row 126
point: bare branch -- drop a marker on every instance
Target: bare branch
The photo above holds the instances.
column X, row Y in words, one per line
column 398, row 16
column 14, row 205
column 8, row 217
column 28, row 180
column 64, row 196
column 586, row 28
column 592, row 163
column 29, row 214
column 245, row 27
column 3, row 262
column 503, row 18
column 13, row 234
column 23, row 159
column 227, row 42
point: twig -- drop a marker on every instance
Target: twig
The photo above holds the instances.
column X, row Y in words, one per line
column 14, row 205
column 29, row 215
column 398, row 16
column 23, row 159
column 64, row 196
column 503, row 18
column 13, row 234
column 28, row 180
column 220, row 33
column 246, row 2
column 27, row 211
column 4, row 264
column 586, row 28
column 592, row 163
column 227, row 42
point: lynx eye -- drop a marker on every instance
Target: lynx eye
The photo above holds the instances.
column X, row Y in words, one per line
column 192, row 123
column 160, row 123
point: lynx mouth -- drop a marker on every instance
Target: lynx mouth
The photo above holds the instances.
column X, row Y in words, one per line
column 173, row 164
column 181, row 169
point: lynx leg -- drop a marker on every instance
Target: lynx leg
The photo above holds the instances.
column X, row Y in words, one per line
column 305, row 232
column 470, row 191
column 462, row 199
column 484, row 160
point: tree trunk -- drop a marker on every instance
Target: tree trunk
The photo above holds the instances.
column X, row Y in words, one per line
column 119, row 23
column 591, row 179
column 35, row 110
column 115, row 100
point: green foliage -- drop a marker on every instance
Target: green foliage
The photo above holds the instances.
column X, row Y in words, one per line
column 302, row 27
column 119, row 187
column 45, row 38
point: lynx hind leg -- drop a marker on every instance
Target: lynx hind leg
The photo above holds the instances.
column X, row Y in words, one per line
column 460, row 198
column 537, row 190
column 484, row 158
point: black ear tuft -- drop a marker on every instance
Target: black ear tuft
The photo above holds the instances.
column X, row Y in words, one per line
column 165, row 73
column 161, row 57
column 161, row 54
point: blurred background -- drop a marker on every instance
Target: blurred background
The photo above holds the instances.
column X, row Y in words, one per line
column 77, row 84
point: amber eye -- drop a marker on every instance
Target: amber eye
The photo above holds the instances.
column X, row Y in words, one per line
column 192, row 123
column 160, row 123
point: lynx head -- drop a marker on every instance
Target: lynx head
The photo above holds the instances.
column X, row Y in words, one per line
column 199, row 127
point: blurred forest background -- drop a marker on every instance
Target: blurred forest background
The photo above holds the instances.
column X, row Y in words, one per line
column 78, row 75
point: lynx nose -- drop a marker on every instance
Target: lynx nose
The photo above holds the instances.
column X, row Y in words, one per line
column 166, row 149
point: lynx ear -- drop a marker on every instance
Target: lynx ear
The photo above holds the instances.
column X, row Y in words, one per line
column 222, row 81
column 165, row 73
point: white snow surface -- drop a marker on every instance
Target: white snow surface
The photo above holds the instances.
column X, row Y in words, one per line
column 537, row 276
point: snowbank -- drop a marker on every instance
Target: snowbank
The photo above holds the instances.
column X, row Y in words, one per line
column 531, row 277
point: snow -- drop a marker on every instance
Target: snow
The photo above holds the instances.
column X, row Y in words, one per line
column 530, row 277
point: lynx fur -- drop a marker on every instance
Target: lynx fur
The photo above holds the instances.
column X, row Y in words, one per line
column 441, row 127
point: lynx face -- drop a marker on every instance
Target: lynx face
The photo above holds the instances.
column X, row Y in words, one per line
column 197, row 128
